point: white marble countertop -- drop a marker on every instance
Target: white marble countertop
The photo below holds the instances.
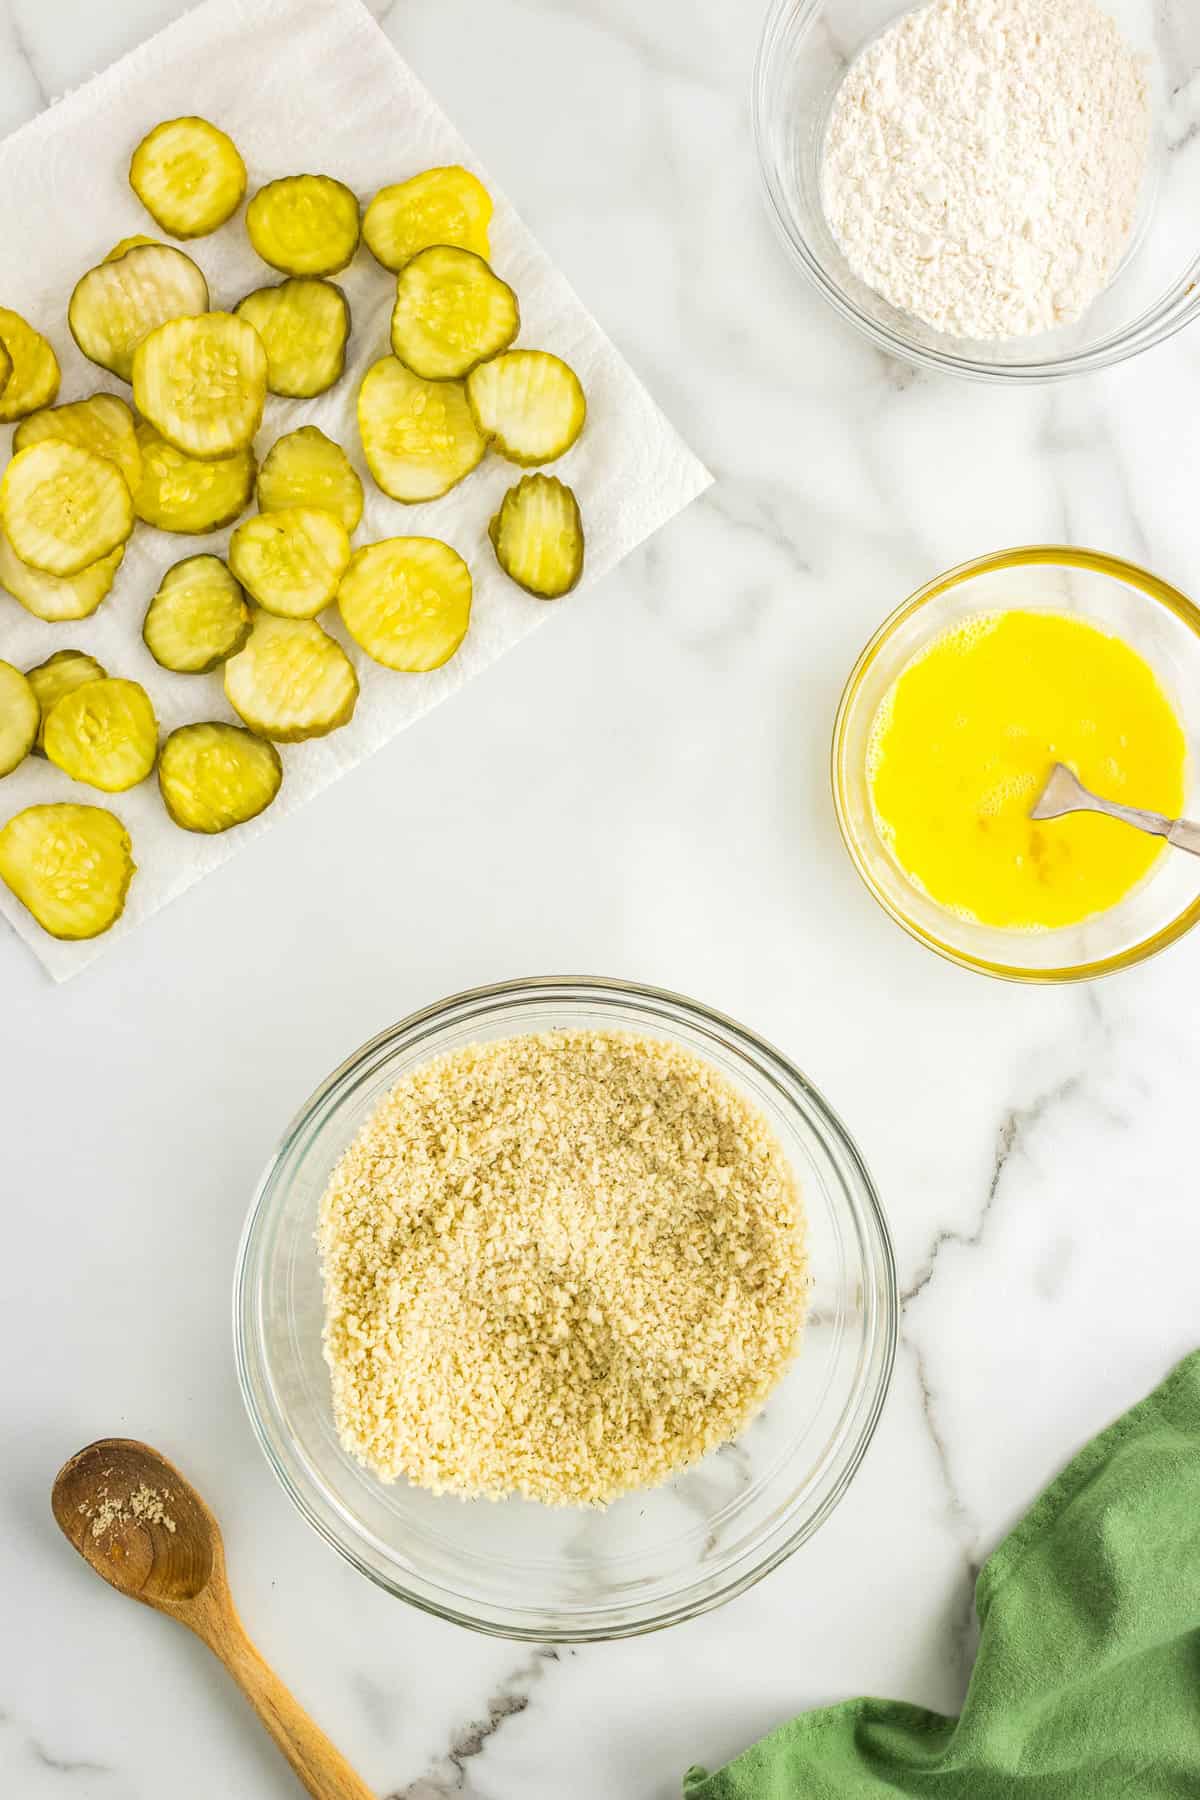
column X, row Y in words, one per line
column 641, row 791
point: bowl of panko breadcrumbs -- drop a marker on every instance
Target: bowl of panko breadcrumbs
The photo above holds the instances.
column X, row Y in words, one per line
column 566, row 1309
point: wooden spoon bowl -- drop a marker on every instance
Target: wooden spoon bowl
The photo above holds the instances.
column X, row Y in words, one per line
column 145, row 1530
column 163, row 1553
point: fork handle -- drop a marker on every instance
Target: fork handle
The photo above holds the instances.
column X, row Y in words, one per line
column 1185, row 836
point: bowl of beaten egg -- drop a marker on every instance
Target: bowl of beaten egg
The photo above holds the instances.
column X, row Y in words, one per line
column 949, row 726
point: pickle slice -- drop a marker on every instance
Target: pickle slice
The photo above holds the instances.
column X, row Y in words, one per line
column 214, row 776
column 304, row 224
column 538, row 536
column 103, row 424
column 104, row 733
column 116, row 304
column 418, row 437
column 57, row 599
column 440, row 206
column 60, row 674
column 304, row 324
column 136, row 242
column 291, row 681
column 291, row 561
column 188, row 176
column 69, row 865
column 197, row 618
column 529, row 405
column 35, row 375
column 451, row 313
column 305, row 468
column 407, row 602
column 182, row 493
column 6, row 368
column 202, row 382
column 20, row 718
column 63, row 507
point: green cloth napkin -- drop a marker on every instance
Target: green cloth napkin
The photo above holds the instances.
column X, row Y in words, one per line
column 1087, row 1681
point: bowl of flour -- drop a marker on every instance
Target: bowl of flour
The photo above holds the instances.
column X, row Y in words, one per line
column 1006, row 189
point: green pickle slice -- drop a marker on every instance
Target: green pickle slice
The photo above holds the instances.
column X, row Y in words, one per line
column 118, row 303
column 291, row 561
column 185, row 494
column 418, row 437
column 60, row 674
column 102, row 424
column 291, row 681
column 104, row 733
column 20, row 718
column 440, row 206
column 451, row 313
column 407, row 602
column 538, row 536
column 188, row 175
column 304, row 324
column 63, row 507
column 34, row 377
column 529, row 405
column 70, row 866
column 58, row 599
column 304, row 224
column 202, row 383
column 214, row 776
column 305, row 468
column 198, row 617
column 6, row 368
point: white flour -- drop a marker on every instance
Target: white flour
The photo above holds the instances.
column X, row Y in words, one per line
column 983, row 161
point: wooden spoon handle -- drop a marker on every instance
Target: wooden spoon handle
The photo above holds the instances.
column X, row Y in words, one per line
column 320, row 1766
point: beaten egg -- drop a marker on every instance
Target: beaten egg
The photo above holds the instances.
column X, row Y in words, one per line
column 965, row 738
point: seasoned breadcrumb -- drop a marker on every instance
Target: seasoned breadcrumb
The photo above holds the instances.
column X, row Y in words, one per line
column 145, row 1504
column 560, row 1265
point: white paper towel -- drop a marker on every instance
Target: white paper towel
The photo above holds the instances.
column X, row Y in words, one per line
column 301, row 85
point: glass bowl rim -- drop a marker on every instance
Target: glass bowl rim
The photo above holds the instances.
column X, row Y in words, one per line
column 1098, row 562
column 1171, row 312
column 860, row 1422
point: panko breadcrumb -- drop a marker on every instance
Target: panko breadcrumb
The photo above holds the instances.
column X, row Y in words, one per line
column 561, row 1265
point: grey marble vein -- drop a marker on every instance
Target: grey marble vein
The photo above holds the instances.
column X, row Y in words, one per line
column 956, row 1506
column 47, row 1759
column 1011, row 1139
column 753, row 509
column 24, row 49
column 651, row 53
column 1070, row 435
column 451, row 1775
column 1014, row 1129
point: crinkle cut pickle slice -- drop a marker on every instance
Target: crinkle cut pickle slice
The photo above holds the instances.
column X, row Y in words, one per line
column 306, row 468
column 291, row 681
column 418, row 437
column 63, row 507
column 197, row 618
column 189, row 175
column 407, row 602
column 69, row 866
column 538, row 536
column 213, row 776
column 202, row 383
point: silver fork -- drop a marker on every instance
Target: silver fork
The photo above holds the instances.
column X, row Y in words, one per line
column 1065, row 793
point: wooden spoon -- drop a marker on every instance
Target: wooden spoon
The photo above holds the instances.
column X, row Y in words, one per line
column 140, row 1525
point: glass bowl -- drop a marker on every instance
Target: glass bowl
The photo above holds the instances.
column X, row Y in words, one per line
column 1161, row 624
column 806, row 48
column 514, row 1568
